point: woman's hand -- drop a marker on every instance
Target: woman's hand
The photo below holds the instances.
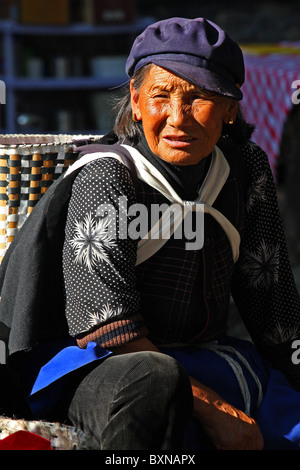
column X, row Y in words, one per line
column 226, row 426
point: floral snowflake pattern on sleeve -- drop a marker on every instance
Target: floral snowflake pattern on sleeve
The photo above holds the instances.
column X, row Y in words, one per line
column 102, row 303
column 261, row 266
column 91, row 242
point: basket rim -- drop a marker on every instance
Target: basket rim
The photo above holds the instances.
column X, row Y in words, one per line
column 30, row 140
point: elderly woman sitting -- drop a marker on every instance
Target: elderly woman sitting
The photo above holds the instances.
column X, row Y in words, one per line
column 154, row 309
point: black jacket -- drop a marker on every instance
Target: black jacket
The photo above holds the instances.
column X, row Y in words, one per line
column 31, row 279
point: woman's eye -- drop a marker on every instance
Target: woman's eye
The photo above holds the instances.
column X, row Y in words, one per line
column 199, row 97
column 161, row 95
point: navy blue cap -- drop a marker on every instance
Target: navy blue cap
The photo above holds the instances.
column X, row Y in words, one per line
column 197, row 50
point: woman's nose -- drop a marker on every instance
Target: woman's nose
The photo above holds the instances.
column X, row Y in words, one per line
column 178, row 114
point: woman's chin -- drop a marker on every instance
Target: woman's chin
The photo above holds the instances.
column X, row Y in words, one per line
column 180, row 157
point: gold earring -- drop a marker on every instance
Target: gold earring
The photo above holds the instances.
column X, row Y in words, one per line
column 134, row 119
column 231, row 121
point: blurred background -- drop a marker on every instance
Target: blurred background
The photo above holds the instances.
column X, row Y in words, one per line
column 62, row 62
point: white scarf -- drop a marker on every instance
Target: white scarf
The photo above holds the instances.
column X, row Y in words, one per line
column 171, row 219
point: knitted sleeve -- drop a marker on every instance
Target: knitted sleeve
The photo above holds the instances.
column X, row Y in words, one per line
column 102, row 303
column 263, row 287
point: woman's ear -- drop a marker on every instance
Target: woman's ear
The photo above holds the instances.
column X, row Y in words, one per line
column 232, row 111
column 136, row 114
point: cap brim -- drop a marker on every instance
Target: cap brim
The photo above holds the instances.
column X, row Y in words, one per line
column 206, row 79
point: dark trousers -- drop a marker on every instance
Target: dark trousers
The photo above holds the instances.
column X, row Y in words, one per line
column 136, row 401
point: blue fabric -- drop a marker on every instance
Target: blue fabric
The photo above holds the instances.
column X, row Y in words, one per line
column 66, row 361
column 278, row 415
column 52, row 376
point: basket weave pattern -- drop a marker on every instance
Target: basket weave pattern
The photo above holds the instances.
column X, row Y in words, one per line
column 28, row 166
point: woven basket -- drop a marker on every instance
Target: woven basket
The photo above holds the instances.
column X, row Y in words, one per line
column 28, row 166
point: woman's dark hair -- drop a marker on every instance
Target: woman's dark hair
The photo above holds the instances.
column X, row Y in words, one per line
column 240, row 131
column 125, row 127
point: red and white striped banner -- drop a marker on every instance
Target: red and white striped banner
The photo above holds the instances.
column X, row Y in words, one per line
column 268, row 91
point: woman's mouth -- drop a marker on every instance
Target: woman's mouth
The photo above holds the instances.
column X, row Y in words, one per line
column 178, row 141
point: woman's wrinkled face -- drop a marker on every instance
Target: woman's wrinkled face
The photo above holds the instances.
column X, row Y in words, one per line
column 182, row 122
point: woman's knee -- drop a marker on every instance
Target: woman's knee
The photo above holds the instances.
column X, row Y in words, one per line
column 145, row 390
column 147, row 377
column 161, row 372
column 165, row 367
